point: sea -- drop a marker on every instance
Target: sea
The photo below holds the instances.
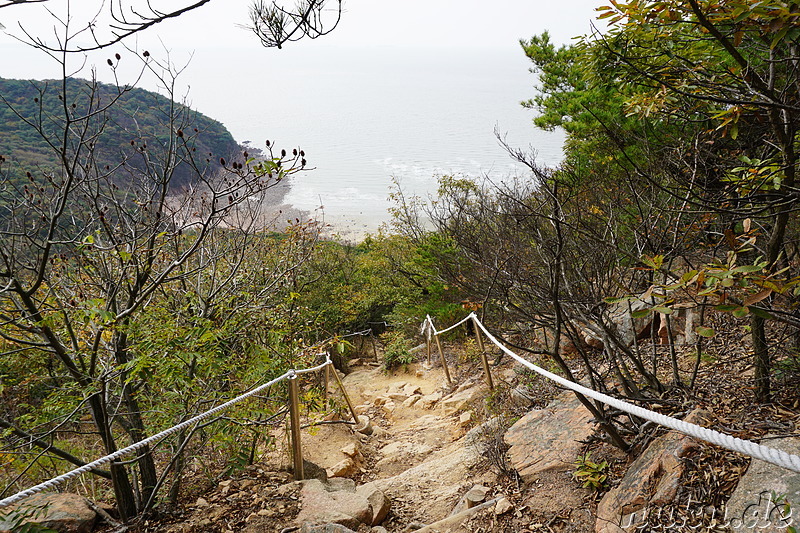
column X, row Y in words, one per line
column 368, row 118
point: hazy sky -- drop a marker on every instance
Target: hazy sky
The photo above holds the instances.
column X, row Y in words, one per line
column 464, row 24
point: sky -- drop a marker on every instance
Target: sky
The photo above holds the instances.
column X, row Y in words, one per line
column 426, row 24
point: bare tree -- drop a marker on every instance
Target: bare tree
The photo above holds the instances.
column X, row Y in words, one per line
column 92, row 241
column 117, row 20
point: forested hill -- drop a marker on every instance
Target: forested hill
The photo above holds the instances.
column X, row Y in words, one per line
column 32, row 124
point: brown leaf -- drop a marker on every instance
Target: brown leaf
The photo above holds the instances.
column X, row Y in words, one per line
column 755, row 298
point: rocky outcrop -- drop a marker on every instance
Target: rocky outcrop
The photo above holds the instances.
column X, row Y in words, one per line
column 680, row 325
column 549, row 438
column 66, row 513
column 339, row 501
column 652, row 480
column 758, row 504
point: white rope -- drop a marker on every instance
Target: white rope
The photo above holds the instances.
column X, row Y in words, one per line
column 54, row 482
column 360, row 333
column 765, row 453
column 315, row 369
column 454, row 326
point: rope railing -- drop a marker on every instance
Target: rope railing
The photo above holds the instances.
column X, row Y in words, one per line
column 290, row 375
column 752, row 449
column 746, row 447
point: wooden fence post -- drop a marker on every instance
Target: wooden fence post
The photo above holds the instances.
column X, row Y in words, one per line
column 346, row 397
column 444, row 361
column 374, row 346
column 294, row 417
column 484, row 360
column 327, row 378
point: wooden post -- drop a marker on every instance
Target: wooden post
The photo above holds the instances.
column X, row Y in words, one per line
column 484, row 361
column 444, row 361
column 327, row 378
column 346, row 397
column 428, row 347
column 294, row 417
column 374, row 347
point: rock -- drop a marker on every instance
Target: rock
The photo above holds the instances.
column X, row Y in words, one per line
column 652, row 479
column 682, row 323
column 413, row 526
column 522, row 397
column 66, row 513
column 364, row 425
column 460, row 400
column 378, row 502
column 411, row 400
column 549, row 438
column 380, row 400
column 502, row 507
column 350, row 450
column 474, row 496
column 324, row 528
column 753, row 505
column 486, row 430
column 378, row 529
column 201, row 502
column 400, row 455
column 411, row 390
column 397, row 387
column 340, row 502
column 344, row 468
column 313, row 471
column 388, row 408
column 465, row 419
column 321, row 506
column 427, row 402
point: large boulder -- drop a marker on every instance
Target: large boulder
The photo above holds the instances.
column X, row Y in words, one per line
column 758, row 504
column 651, row 480
column 549, row 438
column 66, row 513
column 339, row 501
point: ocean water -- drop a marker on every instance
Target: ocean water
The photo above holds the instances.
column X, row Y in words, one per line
column 366, row 117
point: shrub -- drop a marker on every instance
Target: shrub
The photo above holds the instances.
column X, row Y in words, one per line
column 397, row 352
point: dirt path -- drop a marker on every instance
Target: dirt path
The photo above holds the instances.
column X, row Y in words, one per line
column 417, row 453
column 430, row 444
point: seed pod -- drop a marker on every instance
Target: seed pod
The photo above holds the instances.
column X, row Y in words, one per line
column 118, row 56
column 110, row 63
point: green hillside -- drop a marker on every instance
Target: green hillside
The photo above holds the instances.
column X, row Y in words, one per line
column 33, row 119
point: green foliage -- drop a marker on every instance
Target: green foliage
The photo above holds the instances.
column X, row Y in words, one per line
column 590, row 474
column 24, row 521
column 131, row 115
column 396, row 354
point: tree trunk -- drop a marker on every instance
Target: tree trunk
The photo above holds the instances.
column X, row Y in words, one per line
column 761, row 359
